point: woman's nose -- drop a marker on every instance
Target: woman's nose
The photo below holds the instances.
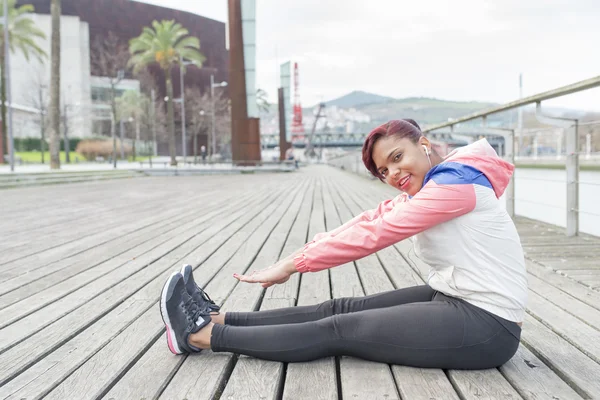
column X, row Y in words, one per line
column 395, row 175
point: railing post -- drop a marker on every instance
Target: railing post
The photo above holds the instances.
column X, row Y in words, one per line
column 571, row 127
column 572, row 165
column 509, row 143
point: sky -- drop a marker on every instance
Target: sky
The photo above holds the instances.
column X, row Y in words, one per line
column 466, row 50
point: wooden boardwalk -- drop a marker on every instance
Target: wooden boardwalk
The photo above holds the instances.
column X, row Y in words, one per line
column 82, row 265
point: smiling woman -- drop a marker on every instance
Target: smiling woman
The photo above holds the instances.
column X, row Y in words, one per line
column 393, row 152
column 468, row 316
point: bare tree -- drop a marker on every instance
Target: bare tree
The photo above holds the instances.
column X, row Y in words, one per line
column 197, row 107
column 109, row 59
column 133, row 105
column 37, row 97
column 223, row 123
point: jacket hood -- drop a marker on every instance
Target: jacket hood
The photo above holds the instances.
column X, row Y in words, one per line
column 481, row 155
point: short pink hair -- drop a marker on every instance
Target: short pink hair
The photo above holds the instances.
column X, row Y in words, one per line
column 401, row 128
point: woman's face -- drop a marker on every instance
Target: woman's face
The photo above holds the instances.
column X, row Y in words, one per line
column 402, row 163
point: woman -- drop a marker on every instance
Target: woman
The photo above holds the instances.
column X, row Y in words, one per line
column 469, row 314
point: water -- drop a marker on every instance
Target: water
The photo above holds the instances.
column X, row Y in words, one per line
column 542, row 194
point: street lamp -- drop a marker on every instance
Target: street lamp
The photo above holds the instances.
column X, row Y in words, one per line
column 182, row 65
column 201, row 112
column 213, row 85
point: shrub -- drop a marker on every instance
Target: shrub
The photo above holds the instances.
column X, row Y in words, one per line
column 94, row 148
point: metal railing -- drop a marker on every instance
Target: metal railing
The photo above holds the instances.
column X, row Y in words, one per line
column 569, row 128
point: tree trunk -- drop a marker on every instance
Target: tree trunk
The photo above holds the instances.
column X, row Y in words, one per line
column 195, row 147
column 42, row 126
column 3, row 136
column 133, row 151
column 55, row 87
column 113, row 123
column 43, row 139
column 170, row 118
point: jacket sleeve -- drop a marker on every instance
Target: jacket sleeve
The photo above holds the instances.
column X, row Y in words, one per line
column 432, row 205
column 368, row 215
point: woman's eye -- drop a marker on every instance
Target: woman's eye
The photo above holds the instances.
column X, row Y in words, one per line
column 384, row 172
column 397, row 157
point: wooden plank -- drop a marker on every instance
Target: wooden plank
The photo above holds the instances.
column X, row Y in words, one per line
column 30, row 283
column 37, row 343
column 373, row 276
column 94, row 378
column 574, row 367
column 482, row 384
column 576, row 332
column 159, row 357
column 577, row 290
column 255, row 371
column 315, row 379
column 18, row 311
column 535, row 380
column 413, row 383
column 133, row 351
column 570, row 304
column 71, row 241
column 127, row 208
column 345, row 282
column 150, row 374
column 265, row 249
column 137, row 224
column 423, row 384
column 129, row 309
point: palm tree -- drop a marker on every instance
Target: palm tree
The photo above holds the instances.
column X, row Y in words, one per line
column 22, row 34
column 55, row 87
column 167, row 44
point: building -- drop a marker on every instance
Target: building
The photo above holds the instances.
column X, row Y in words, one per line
column 82, row 85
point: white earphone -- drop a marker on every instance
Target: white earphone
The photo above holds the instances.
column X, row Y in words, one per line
column 427, row 154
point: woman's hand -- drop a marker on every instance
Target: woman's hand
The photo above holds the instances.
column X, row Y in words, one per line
column 275, row 274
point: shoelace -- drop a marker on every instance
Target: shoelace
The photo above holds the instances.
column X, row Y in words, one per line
column 206, row 296
column 193, row 311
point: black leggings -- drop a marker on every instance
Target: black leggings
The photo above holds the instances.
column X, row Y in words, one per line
column 415, row 326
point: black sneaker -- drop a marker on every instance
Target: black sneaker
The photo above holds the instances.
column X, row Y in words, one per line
column 194, row 290
column 181, row 315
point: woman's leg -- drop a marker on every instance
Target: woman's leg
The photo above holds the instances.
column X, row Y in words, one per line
column 292, row 315
column 436, row 334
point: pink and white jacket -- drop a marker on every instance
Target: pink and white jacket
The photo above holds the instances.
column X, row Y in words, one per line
column 460, row 229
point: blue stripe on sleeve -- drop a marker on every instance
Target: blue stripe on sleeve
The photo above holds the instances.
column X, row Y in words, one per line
column 452, row 173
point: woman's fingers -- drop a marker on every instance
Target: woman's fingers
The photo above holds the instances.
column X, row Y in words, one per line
column 246, row 278
column 269, row 275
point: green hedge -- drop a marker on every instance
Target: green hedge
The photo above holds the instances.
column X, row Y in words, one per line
column 33, row 144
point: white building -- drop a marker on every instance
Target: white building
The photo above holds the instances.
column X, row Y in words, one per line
column 80, row 92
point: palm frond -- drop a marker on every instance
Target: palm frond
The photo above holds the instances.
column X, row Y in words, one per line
column 190, row 42
column 193, row 55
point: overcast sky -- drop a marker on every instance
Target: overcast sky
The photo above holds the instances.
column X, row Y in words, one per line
column 455, row 50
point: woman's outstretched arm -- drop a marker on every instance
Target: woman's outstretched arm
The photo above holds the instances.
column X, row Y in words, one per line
column 431, row 206
column 368, row 215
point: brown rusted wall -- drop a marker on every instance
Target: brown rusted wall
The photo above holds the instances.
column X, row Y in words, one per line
column 245, row 132
column 127, row 18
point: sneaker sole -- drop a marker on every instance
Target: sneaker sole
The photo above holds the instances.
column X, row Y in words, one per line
column 171, row 339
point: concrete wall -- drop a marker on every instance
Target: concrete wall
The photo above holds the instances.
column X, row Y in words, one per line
column 29, row 77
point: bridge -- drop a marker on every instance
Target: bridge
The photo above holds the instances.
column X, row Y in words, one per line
column 353, row 140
